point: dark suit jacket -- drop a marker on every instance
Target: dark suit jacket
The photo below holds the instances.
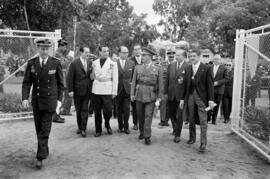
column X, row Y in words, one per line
column 204, row 83
column 125, row 75
column 48, row 83
column 78, row 79
column 174, row 81
column 221, row 78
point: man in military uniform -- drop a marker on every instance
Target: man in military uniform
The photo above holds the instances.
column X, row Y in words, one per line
column 164, row 107
column 62, row 55
column 45, row 74
column 146, row 89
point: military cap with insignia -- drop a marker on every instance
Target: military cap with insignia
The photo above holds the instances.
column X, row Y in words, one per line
column 62, row 42
column 149, row 50
column 42, row 42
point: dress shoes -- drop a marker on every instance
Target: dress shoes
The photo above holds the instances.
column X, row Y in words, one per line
column 190, row 141
column 98, row 134
column 202, row 148
column 177, row 139
column 66, row 114
column 78, row 131
column 58, row 119
column 163, row 124
column 214, row 123
column 83, row 134
column 39, row 164
column 120, row 130
column 127, row 131
column 141, row 137
column 109, row 131
column 147, row 141
column 135, row 127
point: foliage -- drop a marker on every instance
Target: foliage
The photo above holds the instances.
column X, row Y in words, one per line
column 212, row 23
column 257, row 121
column 11, row 102
column 112, row 23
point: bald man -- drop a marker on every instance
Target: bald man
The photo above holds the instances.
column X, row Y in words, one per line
column 220, row 76
column 125, row 71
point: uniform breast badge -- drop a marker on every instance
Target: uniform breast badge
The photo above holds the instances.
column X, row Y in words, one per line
column 180, row 80
column 33, row 69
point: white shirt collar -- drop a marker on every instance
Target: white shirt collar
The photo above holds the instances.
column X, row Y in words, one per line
column 180, row 64
column 196, row 65
column 41, row 59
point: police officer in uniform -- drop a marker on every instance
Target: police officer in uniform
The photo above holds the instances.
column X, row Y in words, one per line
column 146, row 89
column 44, row 74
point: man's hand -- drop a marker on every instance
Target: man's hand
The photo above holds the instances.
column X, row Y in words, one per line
column 59, row 104
column 181, row 104
column 132, row 98
column 157, row 103
column 215, row 83
column 71, row 94
column 25, row 104
column 212, row 104
column 113, row 96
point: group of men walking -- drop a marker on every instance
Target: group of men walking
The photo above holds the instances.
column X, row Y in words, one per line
column 188, row 89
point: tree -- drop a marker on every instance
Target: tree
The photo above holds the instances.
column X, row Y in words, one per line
column 212, row 23
column 39, row 15
column 112, row 23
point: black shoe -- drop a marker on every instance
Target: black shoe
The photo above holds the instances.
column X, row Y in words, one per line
column 190, row 141
column 120, row 130
column 147, row 141
column 163, row 124
column 127, row 131
column 109, row 131
column 135, row 127
column 202, row 148
column 78, row 131
column 141, row 137
column 66, row 114
column 39, row 164
column 98, row 134
column 83, row 134
column 214, row 123
column 177, row 139
column 59, row 120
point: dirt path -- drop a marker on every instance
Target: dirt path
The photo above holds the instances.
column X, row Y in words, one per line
column 123, row 156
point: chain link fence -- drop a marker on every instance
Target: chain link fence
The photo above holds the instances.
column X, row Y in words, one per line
column 252, row 73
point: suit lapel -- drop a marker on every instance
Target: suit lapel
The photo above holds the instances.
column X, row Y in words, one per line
column 199, row 71
column 181, row 69
column 81, row 65
column 219, row 68
column 37, row 65
column 120, row 66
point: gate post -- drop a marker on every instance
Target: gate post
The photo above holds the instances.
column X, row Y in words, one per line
column 237, row 80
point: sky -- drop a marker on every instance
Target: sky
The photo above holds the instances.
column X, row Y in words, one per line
column 145, row 6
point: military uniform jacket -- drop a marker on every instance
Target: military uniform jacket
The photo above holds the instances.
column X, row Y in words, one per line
column 47, row 83
column 105, row 77
column 147, row 83
column 174, row 81
column 65, row 62
column 221, row 78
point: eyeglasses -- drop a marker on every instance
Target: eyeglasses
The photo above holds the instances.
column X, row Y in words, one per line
column 228, row 65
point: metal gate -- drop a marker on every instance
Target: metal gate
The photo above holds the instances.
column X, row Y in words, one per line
column 251, row 90
column 16, row 48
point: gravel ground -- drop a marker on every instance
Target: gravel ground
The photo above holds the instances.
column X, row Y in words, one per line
column 124, row 156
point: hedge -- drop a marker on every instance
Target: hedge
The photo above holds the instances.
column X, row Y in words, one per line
column 11, row 103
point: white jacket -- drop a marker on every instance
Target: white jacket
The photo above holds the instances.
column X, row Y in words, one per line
column 105, row 78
